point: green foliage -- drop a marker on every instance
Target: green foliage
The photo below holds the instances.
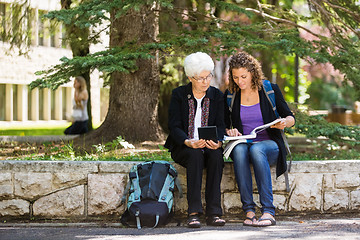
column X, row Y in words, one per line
column 316, row 126
column 329, row 140
column 274, row 28
column 323, row 95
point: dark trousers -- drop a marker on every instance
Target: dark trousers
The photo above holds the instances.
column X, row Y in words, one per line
column 78, row 127
column 195, row 160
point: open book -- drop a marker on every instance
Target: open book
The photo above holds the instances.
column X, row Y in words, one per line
column 233, row 141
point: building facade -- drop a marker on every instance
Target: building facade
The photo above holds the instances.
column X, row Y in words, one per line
column 19, row 105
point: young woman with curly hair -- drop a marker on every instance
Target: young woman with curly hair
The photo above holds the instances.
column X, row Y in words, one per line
column 251, row 109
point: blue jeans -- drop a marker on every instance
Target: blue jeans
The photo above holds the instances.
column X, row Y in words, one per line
column 261, row 155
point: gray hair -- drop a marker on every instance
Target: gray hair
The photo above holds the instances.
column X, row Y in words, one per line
column 197, row 62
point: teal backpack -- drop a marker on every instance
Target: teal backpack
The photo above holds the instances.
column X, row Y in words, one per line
column 150, row 192
column 269, row 92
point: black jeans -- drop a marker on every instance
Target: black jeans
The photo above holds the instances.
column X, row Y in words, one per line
column 195, row 160
column 78, row 127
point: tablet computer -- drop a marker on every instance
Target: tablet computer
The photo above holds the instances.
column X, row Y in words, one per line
column 208, row 133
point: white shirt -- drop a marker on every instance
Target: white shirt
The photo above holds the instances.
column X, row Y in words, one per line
column 197, row 121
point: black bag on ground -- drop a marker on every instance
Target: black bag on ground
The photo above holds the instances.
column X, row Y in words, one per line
column 150, row 193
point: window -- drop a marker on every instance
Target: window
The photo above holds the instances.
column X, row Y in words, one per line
column 63, row 37
column 41, row 30
column 2, row 21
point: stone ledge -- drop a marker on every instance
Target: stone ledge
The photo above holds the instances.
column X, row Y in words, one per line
column 56, row 189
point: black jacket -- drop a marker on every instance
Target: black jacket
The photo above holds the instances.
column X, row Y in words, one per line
column 268, row 116
column 179, row 114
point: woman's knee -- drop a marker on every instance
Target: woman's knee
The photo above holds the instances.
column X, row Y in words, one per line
column 240, row 152
column 261, row 152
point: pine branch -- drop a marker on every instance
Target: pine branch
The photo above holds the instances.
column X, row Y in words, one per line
column 288, row 22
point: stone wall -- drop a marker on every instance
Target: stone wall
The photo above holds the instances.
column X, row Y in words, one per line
column 63, row 189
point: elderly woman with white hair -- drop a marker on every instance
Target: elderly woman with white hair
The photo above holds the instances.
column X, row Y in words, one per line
column 194, row 105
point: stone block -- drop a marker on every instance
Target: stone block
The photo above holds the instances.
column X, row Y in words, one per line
column 355, row 200
column 280, row 202
column 67, row 179
column 329, row 182
column 337, row 200
column 105, row 192
column 116, row 167
column 49, row 166
column 14, row 207
column 232, row 203
column 32, row 185
column 306, row 195
column 180, row 204
column 325, row 166
column 182, row 180
column 349, row 180
column 6, row 188
column 278, row 184
column 64, row 203
column 228, row 182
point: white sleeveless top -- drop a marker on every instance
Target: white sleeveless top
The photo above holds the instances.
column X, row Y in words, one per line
column 84, row 113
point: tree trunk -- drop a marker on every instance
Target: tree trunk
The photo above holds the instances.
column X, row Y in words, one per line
column 133, row 99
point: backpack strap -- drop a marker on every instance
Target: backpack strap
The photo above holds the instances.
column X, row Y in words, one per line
column 137, row 216
column 270, row 95
column 230, row 100
column 134, row 180
column 126, row 192
column 169, row 181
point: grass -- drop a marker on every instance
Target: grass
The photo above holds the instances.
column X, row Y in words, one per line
column 32, row 132
column 114, row 151
column 38, row 130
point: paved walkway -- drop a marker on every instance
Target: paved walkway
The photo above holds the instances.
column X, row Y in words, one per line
column 307, row 229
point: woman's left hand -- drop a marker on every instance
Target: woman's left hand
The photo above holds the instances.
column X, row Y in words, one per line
column 212, row 145
column 289, row 121
column 280, row 125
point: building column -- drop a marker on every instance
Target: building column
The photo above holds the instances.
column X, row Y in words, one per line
column 22, row 107
column 47, row 104
column 9, row 102
column 58, row 104
column 35, row 104
column 69, row 105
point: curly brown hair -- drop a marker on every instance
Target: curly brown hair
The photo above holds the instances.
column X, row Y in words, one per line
column 245, row 60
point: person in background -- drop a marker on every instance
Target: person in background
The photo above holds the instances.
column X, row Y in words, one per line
column 194, row 105
column 80, row 116
column 251, row 108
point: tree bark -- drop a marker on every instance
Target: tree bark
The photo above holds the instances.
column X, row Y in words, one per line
column 133, row 99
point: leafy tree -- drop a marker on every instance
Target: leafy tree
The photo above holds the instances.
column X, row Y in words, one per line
column 135, row 46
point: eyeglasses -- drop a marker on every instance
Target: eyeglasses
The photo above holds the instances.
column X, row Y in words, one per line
column 201, row 79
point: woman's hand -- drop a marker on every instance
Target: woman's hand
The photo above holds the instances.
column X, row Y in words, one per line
column 280, row 125
column 289, row 121
column 212, row 145
column 192, row 143
column 233, row 132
